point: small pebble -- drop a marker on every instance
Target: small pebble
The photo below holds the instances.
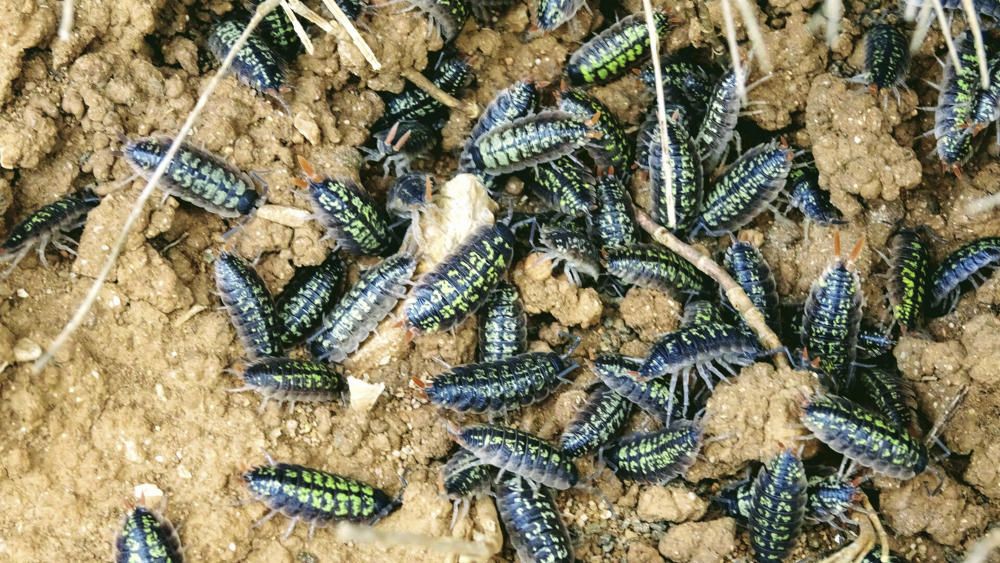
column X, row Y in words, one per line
column 26, row 350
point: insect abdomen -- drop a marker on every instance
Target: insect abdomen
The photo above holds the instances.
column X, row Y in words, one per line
column 250, row 306
column 656, row 457
column 532, row 521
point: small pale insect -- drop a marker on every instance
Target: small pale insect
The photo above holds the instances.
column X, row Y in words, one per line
column 875, row 555
column 349, row 213
column 503, row 331
column 195, row 176
column 446, row 16
column 498, row 386
column 459, row 285
column 532, row 521
column 887, row 56
column 362, row 308
column 867, row 438
column 306, row 297
column 684, row 180
column 751, row 271
column 830, row 498
column 909, row 268
column 610, row 54
column 518, row 452
column 745, row 189
column 52, row 223
column 614, row 221
column 554, row 13
column 777, row 506
column 654, row 267
column 653, row 396
column 256, row 65
column 291, row 381
column 813, row 201
column 569, row 245
column 250, row 306
column 604, row 413
column 316, row 496
column 614, row 147
column 147, row 537
column 966, row 268
column 463, row 477
column 656, row 457
column 529, row 141
column 565, row 185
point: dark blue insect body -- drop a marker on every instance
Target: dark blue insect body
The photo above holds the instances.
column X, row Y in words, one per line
column 745, row 189
column 909, row 268
column 719, row 124
column 753, row 274
column 614, row 221
column 655, row 457
column 777, row 505
column 317, row 497
column 52, row 223
column 498, row 386
column 250, row 306
column 810, row 199
column 865, row 437
column 830, row 498
column 147, row 537
column 520, row 453
column 306, row 297
column 362, row 308
column 832, row 318
column 565, row 185
column 283, row 379
column 683, row 179
column 602, row 416
column 887, row 56
column 196, row 176
column 279, row 33
column 256, row 65
column 654, row 267
column 554, row 13
column 614, row 51
column 987, row 107
column 955, row 107
column 459, row 285
column 409, row 194
column 964, row 269
column 463, row 477
column 451, row 74
column 532, row 521
column 503, row 331
column 402, row 143
column 873, row 342
column 700, row 311
column 613, row 147
column 528, row 141
column 683, row 81
column 654, row 397
column 349, row 213
column 518, row 100
column 570, row 246
column 989, row 8
column 735, row 500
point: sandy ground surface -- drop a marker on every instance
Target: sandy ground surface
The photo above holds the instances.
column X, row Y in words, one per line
column 139, row 395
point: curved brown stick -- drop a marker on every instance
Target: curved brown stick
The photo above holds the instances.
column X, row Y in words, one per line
column 422, row 82
column 734, row 293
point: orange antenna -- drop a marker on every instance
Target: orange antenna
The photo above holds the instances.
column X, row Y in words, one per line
column 856, row 251
column 836, row 243
column 308, row 169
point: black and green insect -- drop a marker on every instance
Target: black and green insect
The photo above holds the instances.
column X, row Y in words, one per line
column 654, row 267
column 874, row 342
column 362, row 308
column 565, row 185
column 955, row 107
column 613, row 52
column 683, row 179
column 518, row 452
column 305, row 298
column 518, row 100
column 554, row 13
column 613, row 148
column 450, row 74
column 865, row 437
column 147, row 536
column 349, row 213
column 291, row 381
column 503, row 325
column 499, row 386
column 684, row 82
column 964, row 269
column 813, row 201
column 701, row 311
column 987, row 107
column 459, row 285
column 316, row 497
column 887, row 57
column 751, row 271
column 279, row 32
column 52, row 223
column 655, row 457
column 832, row 318
column 250, row 306
column 614, row 221
column 529, row 141
column 256, row 65
column 745, row 188
column 604, row 413
column 830, row 498
column 532, row 521
column 410, row 194
column 909, row 268
column 653, row 396
column 885, row 389
column 719, row 124
column 567, row 244
column 734, row 499
column 462, row 476
column 195, row 176
column 777, row 505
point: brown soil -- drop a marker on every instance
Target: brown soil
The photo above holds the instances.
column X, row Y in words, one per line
column 139, row 395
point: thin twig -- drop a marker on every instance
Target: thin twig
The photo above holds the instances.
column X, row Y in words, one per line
column 661, row 114
column 977, row 36
column 424, row 83
column 734, row 293
column 946, row 31
column 859, row 548
column 982, row 549
column 923, row 27
column 297, row 26
column 982, row 205
column 66, row 23
column 81, row 312
column 883, row 538
column 359, row 41
column 834, row 12
column 347, row 532
column 734, row 50
column 911, row 10
column 757, row 44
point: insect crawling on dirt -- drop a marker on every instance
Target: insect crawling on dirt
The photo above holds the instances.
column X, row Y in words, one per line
column 532, row 520
column 777, row 506
column 655, row 457
column 52, row 223
column 256, row 65
column 147, row 536
column 250, row 306
column 518, row 452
